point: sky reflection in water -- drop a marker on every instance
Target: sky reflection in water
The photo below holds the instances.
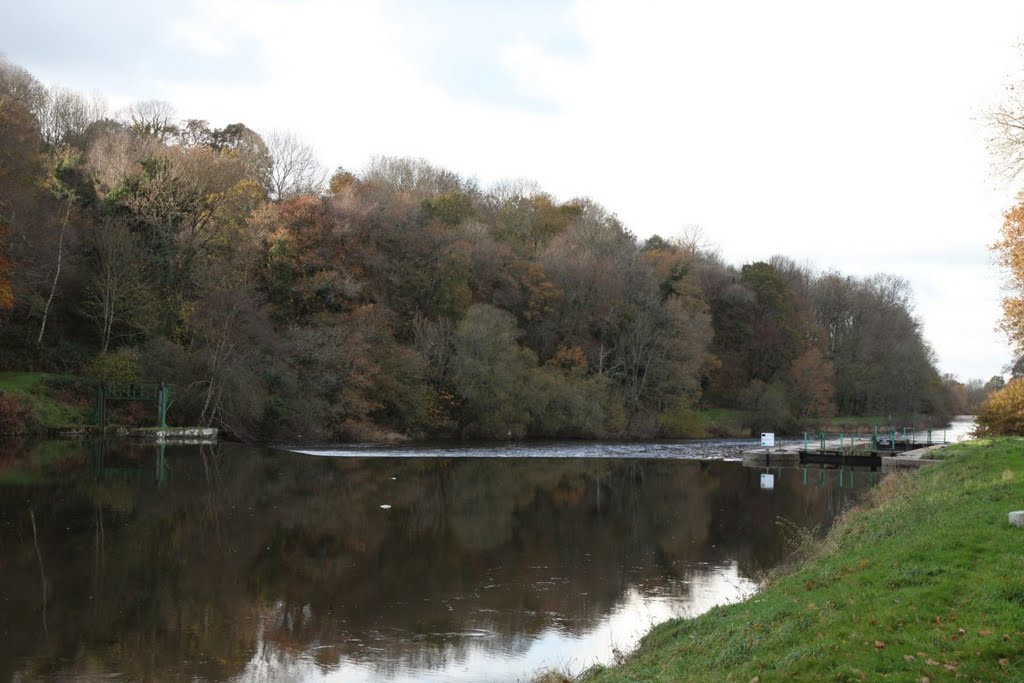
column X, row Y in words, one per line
column 256, row 564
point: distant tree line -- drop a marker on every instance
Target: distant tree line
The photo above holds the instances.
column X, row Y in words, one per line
column 405, row 299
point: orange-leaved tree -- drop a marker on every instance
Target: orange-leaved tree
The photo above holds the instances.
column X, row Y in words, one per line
column 1009, row 249
column 1003, row 411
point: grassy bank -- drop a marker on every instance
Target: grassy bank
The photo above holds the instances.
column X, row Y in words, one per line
column 728, row 422
column 924, row 582
column 52, row 401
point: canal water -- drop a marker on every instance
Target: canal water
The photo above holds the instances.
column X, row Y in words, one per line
column 426, row 563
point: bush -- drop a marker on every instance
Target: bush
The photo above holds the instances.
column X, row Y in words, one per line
column 15, row 416
column 769, row 408
column 683, row 423
column 1003, row 413
column 116, row 366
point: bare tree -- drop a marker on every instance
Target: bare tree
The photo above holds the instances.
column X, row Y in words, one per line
column 294, row 167
column 65, row 115
column 416, row 176
column 510, row 189
column 1007, row 145
column 1006, row 121
column 433, row 340
column 150, row 118
column 694, row 241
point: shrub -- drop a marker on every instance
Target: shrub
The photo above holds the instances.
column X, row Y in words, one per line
column 1003, row 412
column 15, row 416
column 115, row 366
column 683, row 423
column 769, row 408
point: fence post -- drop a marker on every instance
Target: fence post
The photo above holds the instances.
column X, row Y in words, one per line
column 103, row 409
column 162, row 403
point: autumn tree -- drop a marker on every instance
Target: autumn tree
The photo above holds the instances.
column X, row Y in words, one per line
column 6, row 286
column 1009, row 249
column 182, row 202
column 18, row 164
column 491, row 372
column 1001, row 414
column 882, row 363
column 406, row 300
column 117, row 299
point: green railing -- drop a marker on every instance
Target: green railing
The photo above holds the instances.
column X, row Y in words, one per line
column 122, row 391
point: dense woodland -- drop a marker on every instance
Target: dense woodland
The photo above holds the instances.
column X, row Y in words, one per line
column 405, row 299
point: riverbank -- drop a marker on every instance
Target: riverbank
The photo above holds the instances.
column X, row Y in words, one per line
column 35, row 403
column 38, row 402
column 925, row 581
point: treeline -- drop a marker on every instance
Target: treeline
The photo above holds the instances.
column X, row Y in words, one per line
column 405, row 299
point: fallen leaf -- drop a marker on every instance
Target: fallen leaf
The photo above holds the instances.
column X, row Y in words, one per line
column 961, row 632
column 985, row 632
column 910, row 658
column 925, row 679
column 931, row 662
column 1004, row 662
column 879, row 645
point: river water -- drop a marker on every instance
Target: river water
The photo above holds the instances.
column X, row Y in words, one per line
column 426, row 563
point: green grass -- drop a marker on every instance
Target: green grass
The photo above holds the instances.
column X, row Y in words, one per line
column 733, row 422
column 926, row 581
column 725, row 422
column 52, row 399
column 867, row 421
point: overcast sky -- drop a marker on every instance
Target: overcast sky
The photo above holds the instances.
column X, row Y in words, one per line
column 846, row 135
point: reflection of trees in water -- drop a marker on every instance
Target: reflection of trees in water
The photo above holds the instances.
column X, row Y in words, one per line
column 247, row 551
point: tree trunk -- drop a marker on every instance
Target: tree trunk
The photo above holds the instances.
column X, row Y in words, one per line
column 56, row 274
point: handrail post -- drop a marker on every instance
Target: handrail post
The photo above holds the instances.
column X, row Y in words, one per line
column 162, row 405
